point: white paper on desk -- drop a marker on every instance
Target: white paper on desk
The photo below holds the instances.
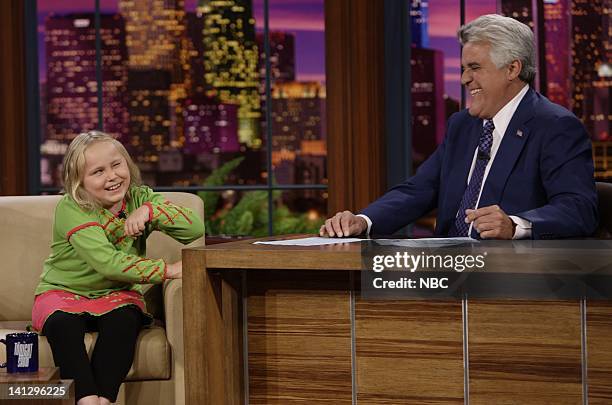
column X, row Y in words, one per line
column 426, row 242
column 312, row 241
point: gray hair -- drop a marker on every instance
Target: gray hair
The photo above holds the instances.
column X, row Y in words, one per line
column 509, row 40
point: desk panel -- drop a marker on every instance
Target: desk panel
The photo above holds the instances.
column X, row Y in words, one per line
column 525, row 352
column 409, row 352
column 599, row 351
column 299, row 339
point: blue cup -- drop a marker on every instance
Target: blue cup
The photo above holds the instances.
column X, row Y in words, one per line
column 21, row 352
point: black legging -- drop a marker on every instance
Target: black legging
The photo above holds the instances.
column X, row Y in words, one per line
column 112, row 356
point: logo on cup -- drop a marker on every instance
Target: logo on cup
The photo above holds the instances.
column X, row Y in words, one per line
column 21, row 352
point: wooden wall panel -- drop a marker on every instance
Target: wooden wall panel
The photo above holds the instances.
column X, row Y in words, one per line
column 354, row 53
column 13, row 145
column 599, row 352
column 299, row 341
column 409, row 352
column 524, row 352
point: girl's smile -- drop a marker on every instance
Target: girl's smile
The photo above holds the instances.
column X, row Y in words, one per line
column 107, row 176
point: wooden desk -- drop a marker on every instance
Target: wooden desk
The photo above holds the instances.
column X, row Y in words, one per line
column 45, row 375
column 285, row 325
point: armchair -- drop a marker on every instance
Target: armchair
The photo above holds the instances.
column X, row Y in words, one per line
column 157, row 374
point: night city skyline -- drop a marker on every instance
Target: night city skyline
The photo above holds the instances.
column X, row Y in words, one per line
column 187, row 100
column 305, row 19
column 209, row 109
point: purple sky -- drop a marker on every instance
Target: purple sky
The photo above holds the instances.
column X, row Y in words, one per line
column 305, row 18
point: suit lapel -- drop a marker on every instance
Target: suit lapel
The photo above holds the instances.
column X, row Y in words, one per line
column 509, row 151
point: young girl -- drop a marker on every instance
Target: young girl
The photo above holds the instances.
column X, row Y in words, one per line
column 90, row 282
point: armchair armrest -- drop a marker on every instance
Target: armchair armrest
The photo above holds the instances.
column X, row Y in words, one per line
column 173, row 311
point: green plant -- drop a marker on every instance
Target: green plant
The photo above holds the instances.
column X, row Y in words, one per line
column 250, row 215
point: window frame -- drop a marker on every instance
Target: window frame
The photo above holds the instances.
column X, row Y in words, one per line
column 33, row 112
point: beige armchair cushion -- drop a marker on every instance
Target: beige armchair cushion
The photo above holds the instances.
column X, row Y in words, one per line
column 26, row 225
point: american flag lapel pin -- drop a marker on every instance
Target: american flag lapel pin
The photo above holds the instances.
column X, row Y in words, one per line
column 519, row 133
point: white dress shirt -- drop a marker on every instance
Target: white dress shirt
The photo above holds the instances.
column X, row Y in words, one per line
column 501, row 121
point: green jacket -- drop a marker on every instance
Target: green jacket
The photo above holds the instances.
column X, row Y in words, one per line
column 91, row 256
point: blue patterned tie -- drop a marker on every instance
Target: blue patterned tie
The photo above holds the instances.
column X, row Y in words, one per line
column 470, row 196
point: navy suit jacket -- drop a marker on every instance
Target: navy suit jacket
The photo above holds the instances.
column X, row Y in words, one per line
column 542, row 172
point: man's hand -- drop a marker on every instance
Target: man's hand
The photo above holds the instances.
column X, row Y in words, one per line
column 344, row 223
column 135, row 223
column 491, row 222
column 174, row 270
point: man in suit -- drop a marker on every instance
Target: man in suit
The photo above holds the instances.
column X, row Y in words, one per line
column 512, row 166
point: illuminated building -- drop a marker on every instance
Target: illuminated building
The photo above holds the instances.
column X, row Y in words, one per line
column 580, row 79
column 428, row 105
column 602, row 111
column 532, row 13
column 557, row 37
column 157, row 40
column 282, row 56
column 589, row 54
column 154, row 29
column 297, row 112
column 592, row 77
column 306, row 167
column 602, row 157
column 230, row 61
column 310, row 169
column 195, row 28
column 311, row 164
column 582, row 26
column 71, row 87
column 282, row 63
column 210, row 127
column 284, row 170
column 419, row 16
column 298, row 132
column 316, row 147
column 149, row 110
column 520, row 10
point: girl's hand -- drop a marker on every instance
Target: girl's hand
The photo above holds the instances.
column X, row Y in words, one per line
column 174, row 270
column 135, row 223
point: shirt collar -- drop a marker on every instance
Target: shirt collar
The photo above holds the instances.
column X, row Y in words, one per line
column 501, row 120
